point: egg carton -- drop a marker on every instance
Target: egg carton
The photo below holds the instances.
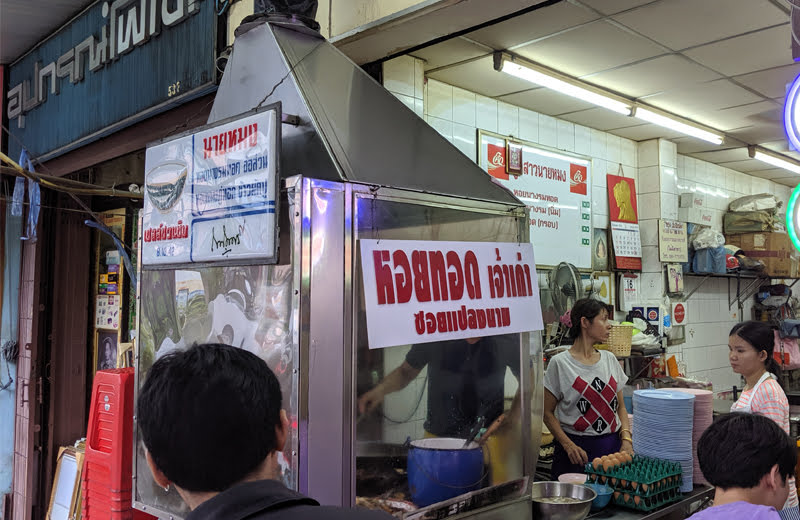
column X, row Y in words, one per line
column 648, row 503
column 644, row 476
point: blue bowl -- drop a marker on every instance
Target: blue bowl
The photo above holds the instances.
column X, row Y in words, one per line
column 604, row 494
column 441, row 468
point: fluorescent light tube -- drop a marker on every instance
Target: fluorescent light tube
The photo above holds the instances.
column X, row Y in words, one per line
column 774, row 160
column 678, row 126
column 559, row 85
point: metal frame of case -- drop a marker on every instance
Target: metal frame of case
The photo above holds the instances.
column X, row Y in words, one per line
column 320, row 244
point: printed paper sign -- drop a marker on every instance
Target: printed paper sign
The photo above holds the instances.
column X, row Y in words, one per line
column 107, row 312
column 211, row 195
column 673, row 241
column 556, row 189
column 424, row 291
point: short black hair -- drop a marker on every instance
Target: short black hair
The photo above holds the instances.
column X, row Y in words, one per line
column 761, row 336
column 208, row 415
column 588, row 308
column 738, row 449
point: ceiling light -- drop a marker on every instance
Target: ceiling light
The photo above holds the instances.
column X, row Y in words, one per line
column 679, row 126
column 563, row 84
column 760, row 154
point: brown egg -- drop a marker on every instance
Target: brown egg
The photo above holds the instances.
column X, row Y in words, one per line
column 603, row 480
column 608, row 464
column 613, row 481
column 636, row 499
column 596, row 463
column 623, row 483
column 626, row 497
column 634, row 485
column 644, row 487
column 616, row 495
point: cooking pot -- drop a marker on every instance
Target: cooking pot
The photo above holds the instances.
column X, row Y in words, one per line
column 443, row 468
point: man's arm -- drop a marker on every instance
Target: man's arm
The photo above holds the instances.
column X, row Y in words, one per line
column 398, row 379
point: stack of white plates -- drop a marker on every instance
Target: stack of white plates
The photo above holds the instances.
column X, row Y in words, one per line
column 663, row 428
column 703, row 417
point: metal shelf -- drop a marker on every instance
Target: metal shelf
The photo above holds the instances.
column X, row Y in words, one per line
column 754, row 282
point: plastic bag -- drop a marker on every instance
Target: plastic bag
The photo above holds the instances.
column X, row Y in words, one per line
column 748, row 222
column 759, row 202
column 18, row 197
column 786, row 352
column 34, row 198
column 708, row 238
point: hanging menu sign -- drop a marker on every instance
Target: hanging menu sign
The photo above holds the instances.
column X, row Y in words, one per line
column 624, row 219
column 425, row 291
column 211, row 195
column 556, row 187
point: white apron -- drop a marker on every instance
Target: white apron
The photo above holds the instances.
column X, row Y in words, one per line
column 748, row 408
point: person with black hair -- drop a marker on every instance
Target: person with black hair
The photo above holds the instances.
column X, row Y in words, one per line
column 225, row 399
column 583, row 404
column 757, row 480
column 751, row 345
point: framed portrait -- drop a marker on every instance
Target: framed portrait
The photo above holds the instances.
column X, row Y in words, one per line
column 599, row 249
column 603, row 288
column 65, row 497
column 674, row 278
column 106, row 346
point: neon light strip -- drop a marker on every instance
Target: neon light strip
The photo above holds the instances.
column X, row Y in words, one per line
column 791, row 218
column 789, row 114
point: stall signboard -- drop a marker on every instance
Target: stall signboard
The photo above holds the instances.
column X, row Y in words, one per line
column 624, row 219
column 557, row 189
column 210, row 196
column 112, row 65
column 425, row 291
column 673, row 241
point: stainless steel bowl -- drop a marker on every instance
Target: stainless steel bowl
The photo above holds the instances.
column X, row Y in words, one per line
column 576, row 510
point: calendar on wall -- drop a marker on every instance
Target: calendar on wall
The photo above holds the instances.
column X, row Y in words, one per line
column 624, row 219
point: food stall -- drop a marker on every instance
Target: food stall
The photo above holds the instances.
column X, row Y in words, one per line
column 272, row 229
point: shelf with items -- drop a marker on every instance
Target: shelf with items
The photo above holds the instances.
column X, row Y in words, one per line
column 747, row 284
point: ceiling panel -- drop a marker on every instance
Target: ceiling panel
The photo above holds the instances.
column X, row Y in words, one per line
column 24, row 23
column 533, row 25
column 546, row 101
column 690, row 145
column 479, row 76
column 721, row 156
column 679, row 24
column 763, row 112
column 598, row 118
column 645, row 132
column 771, row 83
column 759, row 133
column 747, row 166
column 695, row 100
column 748, row 53
column 792, row 182
column 771, row 174
column 614, row 6
column 782, row 146
column 653, row 76
column 590, row 48
column 450, row 51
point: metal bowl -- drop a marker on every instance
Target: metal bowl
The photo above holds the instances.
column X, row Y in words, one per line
column 574, row 510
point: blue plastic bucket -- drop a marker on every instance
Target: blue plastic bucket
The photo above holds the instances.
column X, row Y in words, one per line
column 441, row 468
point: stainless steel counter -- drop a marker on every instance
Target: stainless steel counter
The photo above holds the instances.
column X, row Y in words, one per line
column 691, row 503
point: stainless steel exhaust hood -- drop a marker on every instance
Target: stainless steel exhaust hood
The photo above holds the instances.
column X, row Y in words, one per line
column 351, row 128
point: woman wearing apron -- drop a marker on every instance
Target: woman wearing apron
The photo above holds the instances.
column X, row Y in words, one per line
column 751, row 345
column 583, row 404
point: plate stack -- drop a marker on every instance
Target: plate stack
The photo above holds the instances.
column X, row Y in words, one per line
column 663, row 428
column 703, row 417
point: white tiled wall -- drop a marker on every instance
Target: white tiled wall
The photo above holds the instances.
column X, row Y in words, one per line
column 661, row 174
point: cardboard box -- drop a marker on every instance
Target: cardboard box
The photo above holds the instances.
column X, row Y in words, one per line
column 692, row 200
column 774, row 249
column 700, row 216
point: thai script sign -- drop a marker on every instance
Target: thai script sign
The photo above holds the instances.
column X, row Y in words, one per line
column 211, row 196
column 424, row 291
column 101, row 69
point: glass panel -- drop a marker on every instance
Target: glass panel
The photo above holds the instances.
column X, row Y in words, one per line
column 443, row 390
column 248, row 307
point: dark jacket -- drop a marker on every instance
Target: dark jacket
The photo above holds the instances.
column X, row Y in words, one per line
column 269, row 499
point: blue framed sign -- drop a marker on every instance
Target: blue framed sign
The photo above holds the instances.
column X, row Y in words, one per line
column 211, row 195
column 114, row 64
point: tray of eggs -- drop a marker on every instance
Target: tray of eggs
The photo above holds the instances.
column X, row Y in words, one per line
column 642, row 483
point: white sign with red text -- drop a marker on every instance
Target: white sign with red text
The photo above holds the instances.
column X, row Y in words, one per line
column 424, row 291
column 210, row 196
column 557, row 189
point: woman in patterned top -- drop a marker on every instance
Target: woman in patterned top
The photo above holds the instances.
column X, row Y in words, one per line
column 751, row 345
